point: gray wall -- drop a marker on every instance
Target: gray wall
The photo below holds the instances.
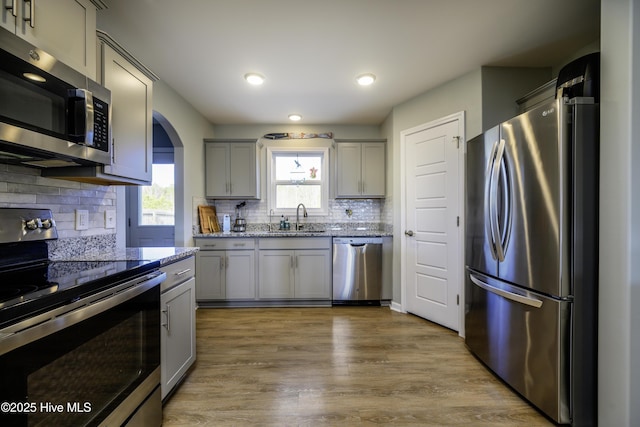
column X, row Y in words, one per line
column 619, row 301
column 190, row 128
column 502, row 86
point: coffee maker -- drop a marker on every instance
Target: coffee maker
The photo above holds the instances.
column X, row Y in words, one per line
column 240, row 224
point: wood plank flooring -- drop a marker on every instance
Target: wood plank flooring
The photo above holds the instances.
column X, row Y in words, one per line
column 339, row 366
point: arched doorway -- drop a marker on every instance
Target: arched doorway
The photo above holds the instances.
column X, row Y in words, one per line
column 152, row 211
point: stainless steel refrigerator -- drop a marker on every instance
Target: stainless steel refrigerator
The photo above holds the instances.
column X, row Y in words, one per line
column 531, row 255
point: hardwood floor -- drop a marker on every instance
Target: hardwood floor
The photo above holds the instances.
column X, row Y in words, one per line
column 338, row 366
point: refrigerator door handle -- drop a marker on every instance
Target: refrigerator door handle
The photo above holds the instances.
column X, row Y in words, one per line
column 488, row 204
column 506, row 211
column 493, row 219
column 532, row 302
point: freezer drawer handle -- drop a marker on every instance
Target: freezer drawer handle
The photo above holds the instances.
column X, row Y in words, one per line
column 533, row 302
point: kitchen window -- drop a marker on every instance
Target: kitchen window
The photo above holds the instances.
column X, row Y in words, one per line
column 298, row 175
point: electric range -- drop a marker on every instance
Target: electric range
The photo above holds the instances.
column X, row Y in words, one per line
column 59, row 320
column 30, row 283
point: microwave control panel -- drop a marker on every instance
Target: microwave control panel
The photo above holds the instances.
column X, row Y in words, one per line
column 100, row 125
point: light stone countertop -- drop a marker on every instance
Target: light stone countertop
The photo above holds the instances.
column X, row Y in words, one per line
column 164, row 255
column 291, row 233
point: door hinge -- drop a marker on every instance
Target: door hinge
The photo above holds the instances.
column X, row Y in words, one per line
column 457, row 299
column 457, row 138
column 457, row 221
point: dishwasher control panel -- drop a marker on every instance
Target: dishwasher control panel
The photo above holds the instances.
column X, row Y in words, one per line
column 357, row 240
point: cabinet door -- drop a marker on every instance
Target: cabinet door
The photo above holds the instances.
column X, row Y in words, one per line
column 312, row 274
column 210, row 279
column 216, row 170
column 240, row 275
column 348, row 169
column 373, row 169
column 65, row 29
column 276, row 274
column 242, row 170
column 178, row 343
column 131, row 99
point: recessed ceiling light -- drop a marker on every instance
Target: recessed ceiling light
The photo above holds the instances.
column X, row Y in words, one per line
column 366, row 79
column 254, row 78
column 295, row 117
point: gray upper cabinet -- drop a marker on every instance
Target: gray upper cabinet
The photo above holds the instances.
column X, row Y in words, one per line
column 232, row 170
column 360, row 170
column 131, row 97
column 131, row 86
column 63, row 28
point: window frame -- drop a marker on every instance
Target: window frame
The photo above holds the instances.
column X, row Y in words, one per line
column 323, row 152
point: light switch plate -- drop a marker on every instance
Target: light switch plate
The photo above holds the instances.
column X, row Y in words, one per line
column 110, row 219
column 82, row 219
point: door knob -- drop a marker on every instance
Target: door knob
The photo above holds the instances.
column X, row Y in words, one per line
column 409, row 233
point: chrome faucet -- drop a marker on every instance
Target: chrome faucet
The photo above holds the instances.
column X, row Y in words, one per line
column 304, row 214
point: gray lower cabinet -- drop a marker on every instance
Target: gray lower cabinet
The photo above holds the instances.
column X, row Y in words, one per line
column 178, row 325
column 251, row 270
column 294, row 268
column 226, row 269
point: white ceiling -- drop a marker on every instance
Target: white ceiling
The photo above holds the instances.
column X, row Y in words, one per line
column 311, row 50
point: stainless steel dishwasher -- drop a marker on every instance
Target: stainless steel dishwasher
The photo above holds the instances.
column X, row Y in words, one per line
column 357, row 270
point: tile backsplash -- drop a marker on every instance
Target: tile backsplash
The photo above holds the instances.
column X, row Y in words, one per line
column 22, row 187
column 363, row 211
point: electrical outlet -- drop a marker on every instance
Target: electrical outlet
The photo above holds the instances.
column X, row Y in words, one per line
column 110, row 219
column 82, row 219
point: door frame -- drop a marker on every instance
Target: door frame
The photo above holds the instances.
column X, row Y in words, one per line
column 460, row 116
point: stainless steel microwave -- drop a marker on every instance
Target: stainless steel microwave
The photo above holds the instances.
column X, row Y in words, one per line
column 50, row 114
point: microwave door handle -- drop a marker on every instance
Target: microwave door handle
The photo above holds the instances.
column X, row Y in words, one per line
column 82, row 101
column 88, row 118
column 488, row 206
column 522, row 299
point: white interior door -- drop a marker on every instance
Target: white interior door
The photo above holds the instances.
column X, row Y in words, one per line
column 432, row 216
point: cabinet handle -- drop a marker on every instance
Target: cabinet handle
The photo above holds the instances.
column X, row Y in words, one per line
column 180, row 273
column 222, row 263
column 296, row 261
column 32, row 13
column 291, row 259
column 210, row 245
column 13, row 8
column 226, row 264
column 239, row 244
column 167, row 314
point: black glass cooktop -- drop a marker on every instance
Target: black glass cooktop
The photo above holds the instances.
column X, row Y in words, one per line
column 29, row 289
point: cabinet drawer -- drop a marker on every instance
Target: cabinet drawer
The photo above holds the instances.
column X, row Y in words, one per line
column 178, row 272
column 295, row 243
column 216, row 244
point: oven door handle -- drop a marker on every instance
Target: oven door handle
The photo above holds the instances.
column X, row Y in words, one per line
column 53, row 321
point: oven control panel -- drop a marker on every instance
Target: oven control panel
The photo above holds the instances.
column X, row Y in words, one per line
column 19, row 224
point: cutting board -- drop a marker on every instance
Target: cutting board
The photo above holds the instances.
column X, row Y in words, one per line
column 208, row 219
